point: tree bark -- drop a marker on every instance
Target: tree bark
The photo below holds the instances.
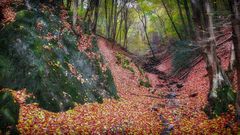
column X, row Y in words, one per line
column 235, row 9
column 232, row 64
column 106, row 16
column 75, row 8
column 120, row 27
column 125, row 27
column 197, row 19
column 110, row 19
column 115, row 18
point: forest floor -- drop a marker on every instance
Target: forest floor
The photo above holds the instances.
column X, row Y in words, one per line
column 140, row 110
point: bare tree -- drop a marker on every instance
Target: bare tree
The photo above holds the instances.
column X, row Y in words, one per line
column 143, row 18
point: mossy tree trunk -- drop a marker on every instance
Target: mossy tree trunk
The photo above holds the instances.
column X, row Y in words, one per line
column 220, row 94
column 217, row 76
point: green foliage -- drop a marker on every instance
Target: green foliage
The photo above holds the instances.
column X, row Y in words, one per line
column 145, row 82
column 9, row 111
column 141, row 70
column 219, row 105
column 121, row 59
column 53, row 69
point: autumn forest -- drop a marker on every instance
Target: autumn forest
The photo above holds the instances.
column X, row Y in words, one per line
column 120, row 67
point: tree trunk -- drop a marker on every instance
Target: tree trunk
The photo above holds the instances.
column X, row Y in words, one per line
column 219, row 82
column 219, row 78
column 75, row 8
column 197, row 19
column 190, row 27
column 125, row 27
column 170, row 17
column 106, row 17
column 215, row 5
column 235, row 8
column 143, row 19
column 96, row 11
column 110, row 19
column 115, row 18
column 182, row 18
column 120, row 27
column 69, row 4
column 88, row 10
column 232, row 64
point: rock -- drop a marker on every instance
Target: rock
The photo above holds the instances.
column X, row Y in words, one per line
column 170, row 127
column 172, row 82
column 193, row 94
column 179, row 85
column 57, row 71
column 171, row 95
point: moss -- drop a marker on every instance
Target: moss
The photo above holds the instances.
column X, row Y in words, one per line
column 23, row 14
column 125, row 63
column 219, row 105
column 5, row 67
column 9, row 113
column 145, row 82
column 110, row 84
column 141, row 70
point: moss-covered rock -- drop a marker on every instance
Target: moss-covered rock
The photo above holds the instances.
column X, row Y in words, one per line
column 9, row 111
column 38, row 54
column 219, row 105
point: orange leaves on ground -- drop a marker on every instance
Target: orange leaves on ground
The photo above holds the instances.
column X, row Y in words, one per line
column 8, row 15
column 64, row 16
column 72, row 69
column 49, row 36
